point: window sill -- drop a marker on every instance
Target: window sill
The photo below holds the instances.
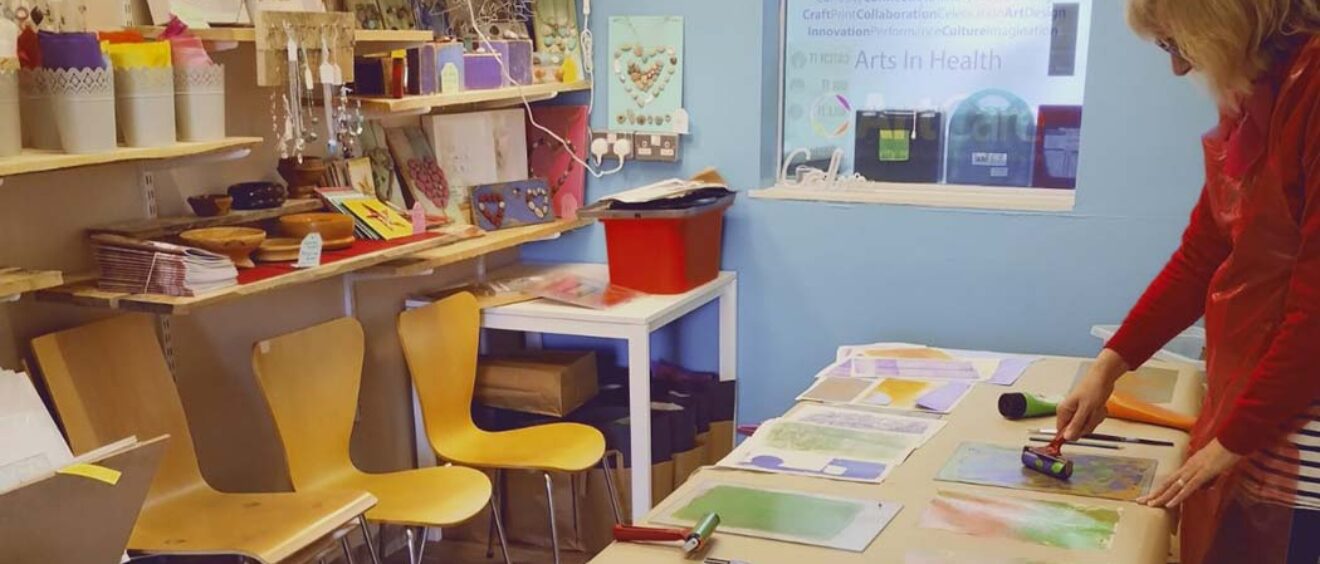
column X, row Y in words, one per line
column 932, row 195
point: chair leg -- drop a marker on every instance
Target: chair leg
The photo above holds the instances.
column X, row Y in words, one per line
column 609, row 486
column 348, row 550
column 498, row 519
column 371, row 545
column 550, row 502
column 494, row 516
column 421, row 544
column 411, row 537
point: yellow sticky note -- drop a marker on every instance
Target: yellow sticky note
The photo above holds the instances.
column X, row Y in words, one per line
column 92, row 471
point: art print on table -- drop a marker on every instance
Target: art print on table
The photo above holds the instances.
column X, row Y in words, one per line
column 423, row 178
column 876, row 366
column 554, row 161
column 1049, row 523
column 511, row 204
column 821, row 466
column 835, row 390
column 896, row 393
column 922, row 556
column 864, row 420
column 646, row 66
column 1108, row 477
column 798, row 517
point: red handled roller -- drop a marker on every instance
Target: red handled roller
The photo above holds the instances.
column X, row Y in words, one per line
column 693, row 539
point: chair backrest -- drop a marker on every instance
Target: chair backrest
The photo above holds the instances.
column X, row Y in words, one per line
column 311, row 380
column 440, row 344
column 109, row 380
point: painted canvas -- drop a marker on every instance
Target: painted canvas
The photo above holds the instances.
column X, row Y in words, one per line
column 1108, row 477
column 835, row 390
column 553, row 161
column 425, row 181
column 384, row 175
column 646, row 66
column 510, row 130
column 859, row 420
column 1049, row 523
column 1151, row 384
column 799, row 517
column 913, row 395
column 511, row 204
column 464, row 147
column 806, row 437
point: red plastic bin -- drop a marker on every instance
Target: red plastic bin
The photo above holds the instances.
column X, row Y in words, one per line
column 664, row 251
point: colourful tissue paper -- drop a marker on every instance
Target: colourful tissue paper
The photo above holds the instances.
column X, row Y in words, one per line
column 154, row 54
column 70, row 51
column 189, row 52
column 8, row 39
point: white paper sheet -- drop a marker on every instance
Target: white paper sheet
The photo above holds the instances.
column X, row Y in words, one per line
column 30, row 444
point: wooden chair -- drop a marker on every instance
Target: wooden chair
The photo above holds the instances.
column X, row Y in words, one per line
column 311, row 380
column 110, row 380
column 440, row 343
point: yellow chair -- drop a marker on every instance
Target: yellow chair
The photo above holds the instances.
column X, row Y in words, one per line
column 110, row 380
column 440, row 343
column 311, row 380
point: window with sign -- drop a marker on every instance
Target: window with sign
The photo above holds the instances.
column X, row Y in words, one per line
column 931, row 93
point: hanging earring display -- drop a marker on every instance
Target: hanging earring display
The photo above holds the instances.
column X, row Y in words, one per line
column 646, row 60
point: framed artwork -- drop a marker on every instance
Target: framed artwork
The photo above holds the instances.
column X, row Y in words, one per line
column 366, row 14
column 397, row 14
column 384, row 175
column 464, row 147
column 553, row 161
column 646, row 66
column 423, row 177
column 511, row 204
column 510, row 129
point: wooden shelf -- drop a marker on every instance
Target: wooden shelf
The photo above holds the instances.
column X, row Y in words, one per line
column 249, row 35
column 425, row 261
column 163, row 227
column 510, row 96
column 16, row 281
column 87, row 294
column 32, row 160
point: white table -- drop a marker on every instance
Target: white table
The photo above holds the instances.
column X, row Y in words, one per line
column 633, row 322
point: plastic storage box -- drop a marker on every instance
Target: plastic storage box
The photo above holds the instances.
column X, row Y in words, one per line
column 668, row 250
column 1188, row 347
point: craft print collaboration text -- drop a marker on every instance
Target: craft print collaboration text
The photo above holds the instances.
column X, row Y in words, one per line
column 935, row 60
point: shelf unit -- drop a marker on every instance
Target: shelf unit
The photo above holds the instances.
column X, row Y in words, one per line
column 249, row 35
column 167, row 226
column 15, row 282
column 498, row 97
column 425, row 261
column 453, row 247
column 32, row 160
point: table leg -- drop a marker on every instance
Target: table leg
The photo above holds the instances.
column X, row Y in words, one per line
column 639, row 410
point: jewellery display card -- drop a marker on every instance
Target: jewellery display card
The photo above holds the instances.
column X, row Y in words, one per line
column 558, row 37
column 1049, row 523
column 511, row 204
column 553, row 161
column 646, row 61
column 1108, row 477
column 798, row 517
column 423, row 177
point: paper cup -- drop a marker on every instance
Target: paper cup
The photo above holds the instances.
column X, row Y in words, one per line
column 199, row 95
column 37, row 117
column 144, row 106
column 11, row 134
column 83, row 101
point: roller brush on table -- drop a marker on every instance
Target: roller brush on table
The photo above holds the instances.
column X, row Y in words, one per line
column 693, row 539
column 1048, row 459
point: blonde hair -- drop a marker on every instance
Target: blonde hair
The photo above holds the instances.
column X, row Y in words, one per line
column 1232, row 42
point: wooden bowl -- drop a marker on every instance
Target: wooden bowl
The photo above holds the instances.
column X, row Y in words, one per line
column 285, row 249
column 211, row 205
column 332, row 226
column 303, row 178
column 257, row 195
column 237, row 243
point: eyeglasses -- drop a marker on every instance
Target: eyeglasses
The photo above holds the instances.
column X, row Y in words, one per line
column 1169, row 46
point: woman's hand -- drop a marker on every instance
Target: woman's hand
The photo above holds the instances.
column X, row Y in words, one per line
column 1199, row 470
column 1084, row 408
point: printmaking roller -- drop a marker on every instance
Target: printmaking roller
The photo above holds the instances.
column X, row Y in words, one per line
column 1048, row 459
column 693, row 539
column 1016, row 406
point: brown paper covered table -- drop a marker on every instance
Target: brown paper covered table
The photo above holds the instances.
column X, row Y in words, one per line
column 1143, row 533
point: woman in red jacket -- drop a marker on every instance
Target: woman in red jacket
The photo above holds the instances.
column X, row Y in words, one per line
column 1250, row 264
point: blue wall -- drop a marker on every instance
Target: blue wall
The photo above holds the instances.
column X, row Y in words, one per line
column 813, row 276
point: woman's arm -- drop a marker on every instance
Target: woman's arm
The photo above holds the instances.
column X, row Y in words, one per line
column 1176, row 298
column 1287, row 380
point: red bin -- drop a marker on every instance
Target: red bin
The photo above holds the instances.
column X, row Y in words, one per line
column 665, row 251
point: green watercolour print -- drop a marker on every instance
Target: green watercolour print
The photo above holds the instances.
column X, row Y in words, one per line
column 805, row 437
column 1048, row 523
column 778, row 513
column 1108, row 477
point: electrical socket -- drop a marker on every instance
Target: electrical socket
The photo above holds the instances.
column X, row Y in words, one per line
column 656, row 147
column 603, row 145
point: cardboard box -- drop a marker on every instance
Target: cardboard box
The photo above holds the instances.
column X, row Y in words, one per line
column 546, row 383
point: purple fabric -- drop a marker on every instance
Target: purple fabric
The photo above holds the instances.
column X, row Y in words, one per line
column 70, row 51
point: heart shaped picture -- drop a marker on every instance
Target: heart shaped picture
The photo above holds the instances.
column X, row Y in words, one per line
column 645, row 72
